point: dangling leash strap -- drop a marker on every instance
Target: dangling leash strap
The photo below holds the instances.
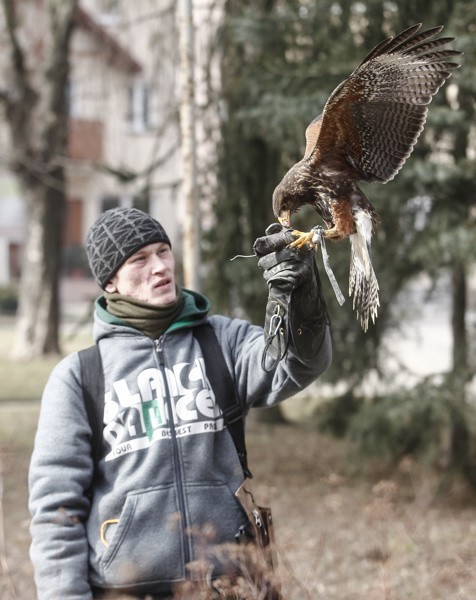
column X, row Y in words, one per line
column 319, row 238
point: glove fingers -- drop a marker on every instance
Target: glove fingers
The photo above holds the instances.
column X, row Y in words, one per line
column 272, row 243
column 291, row 255
column 274, row 228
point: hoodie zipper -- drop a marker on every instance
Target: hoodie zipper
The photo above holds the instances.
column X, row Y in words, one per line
column 159, row 345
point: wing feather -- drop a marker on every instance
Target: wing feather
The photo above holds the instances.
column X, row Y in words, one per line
column 372, row 120
column 386, row 45
column 312, row 133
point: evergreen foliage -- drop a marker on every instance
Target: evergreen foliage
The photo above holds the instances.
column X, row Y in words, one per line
column 281, row 61
column 421, row 421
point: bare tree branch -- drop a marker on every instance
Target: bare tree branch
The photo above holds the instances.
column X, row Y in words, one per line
column 16, row 53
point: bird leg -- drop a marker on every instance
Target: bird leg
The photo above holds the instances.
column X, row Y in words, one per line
column 332, row 234
column 311, row 238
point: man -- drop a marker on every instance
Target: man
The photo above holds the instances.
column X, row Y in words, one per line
column 169, row 467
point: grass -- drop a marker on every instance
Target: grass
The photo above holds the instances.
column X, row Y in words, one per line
column 25, row 380
column 18, row 424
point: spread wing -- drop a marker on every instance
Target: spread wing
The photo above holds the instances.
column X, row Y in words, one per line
column 372, row 120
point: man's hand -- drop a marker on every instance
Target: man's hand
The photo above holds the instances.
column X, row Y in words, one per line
column 283, row 267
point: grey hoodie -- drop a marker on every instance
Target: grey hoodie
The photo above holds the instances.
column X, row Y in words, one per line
column 170, row 468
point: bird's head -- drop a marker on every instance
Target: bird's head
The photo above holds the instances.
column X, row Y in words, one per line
column 282, row 206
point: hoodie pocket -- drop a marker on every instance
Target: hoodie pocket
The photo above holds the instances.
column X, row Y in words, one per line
column 216, row 514
column 145, row 544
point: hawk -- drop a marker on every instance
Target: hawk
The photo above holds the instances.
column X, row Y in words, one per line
column 367, row 130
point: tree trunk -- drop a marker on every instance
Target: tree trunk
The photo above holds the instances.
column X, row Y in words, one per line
column 38, row 310
column 191, row 226
column 458, row 321
column 36, row 108
column 463, row 438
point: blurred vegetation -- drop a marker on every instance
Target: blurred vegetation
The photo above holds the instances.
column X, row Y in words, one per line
column 8, row 300
column 281, row 60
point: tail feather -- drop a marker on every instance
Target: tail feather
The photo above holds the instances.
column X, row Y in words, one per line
column 363, row 284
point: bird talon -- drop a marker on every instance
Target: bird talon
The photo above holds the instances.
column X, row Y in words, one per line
column 303, row 238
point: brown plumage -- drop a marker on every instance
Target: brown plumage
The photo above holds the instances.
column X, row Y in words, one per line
column 367, row 130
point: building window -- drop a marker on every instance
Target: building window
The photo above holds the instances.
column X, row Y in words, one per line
column 108, row 202
column 72, row 98
column 108, row 7
column 139, row 107
column 140, row 201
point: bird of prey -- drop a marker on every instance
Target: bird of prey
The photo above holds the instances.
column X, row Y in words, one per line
column 367, row 130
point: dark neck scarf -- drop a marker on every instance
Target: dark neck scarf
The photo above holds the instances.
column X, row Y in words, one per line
column 151, row 320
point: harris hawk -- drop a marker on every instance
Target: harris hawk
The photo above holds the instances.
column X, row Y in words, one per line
column 367, row 130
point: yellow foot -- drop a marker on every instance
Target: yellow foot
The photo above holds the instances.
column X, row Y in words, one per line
column 303, row 238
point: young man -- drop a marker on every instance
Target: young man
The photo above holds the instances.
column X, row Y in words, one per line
column 168, row 467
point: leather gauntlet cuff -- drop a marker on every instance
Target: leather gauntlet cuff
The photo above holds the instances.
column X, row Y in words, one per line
column 276, row 330
column 308, row 316
column 296, row 311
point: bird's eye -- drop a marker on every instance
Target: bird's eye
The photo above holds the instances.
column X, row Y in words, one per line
column 284, row 207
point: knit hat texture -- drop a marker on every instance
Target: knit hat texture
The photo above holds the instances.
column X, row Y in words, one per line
column 115, row 236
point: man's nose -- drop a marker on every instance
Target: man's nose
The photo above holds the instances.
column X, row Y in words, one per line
column 158, row 265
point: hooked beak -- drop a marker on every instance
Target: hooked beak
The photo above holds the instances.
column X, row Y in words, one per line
column 285, row 218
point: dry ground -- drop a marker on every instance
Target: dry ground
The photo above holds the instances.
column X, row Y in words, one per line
column 347, row 529
column 351, row 529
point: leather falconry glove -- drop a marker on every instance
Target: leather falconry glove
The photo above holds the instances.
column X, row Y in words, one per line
column 296, row 310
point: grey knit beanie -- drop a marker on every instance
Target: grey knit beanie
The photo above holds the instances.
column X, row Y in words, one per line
column 115, row 236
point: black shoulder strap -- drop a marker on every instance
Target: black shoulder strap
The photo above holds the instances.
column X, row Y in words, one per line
column 224, row 390
column 93, row 393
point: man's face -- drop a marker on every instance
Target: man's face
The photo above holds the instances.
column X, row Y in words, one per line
column 148, row 275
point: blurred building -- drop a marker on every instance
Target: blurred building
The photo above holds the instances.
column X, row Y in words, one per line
column 123, row 128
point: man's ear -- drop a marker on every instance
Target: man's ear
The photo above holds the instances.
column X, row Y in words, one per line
column 110, row 287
